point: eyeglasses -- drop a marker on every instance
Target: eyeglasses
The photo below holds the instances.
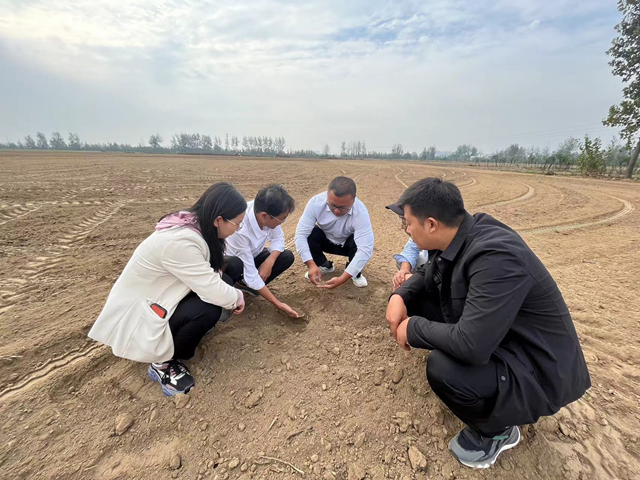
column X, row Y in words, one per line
column 237, row 225
column 277, row 219
column 336, row 207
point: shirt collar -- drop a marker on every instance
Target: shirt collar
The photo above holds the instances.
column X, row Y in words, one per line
column 253, row 221
column 464, row 229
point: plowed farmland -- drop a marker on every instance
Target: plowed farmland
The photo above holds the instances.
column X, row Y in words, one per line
column 328, row 396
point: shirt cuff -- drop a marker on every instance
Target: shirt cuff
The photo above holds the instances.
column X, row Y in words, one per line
column 254, row 283
column 398, row 257
column 305, row 256
column 352, row 269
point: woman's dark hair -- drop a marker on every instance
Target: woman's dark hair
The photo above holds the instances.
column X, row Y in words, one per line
column 432, row 197
column 274, row 200
column 220, row 200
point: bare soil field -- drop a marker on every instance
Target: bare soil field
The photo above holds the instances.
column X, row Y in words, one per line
column 330, row 396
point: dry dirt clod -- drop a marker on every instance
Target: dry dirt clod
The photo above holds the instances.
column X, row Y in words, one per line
column 359, row 442
column 123, row 423
column 315, row 458
column 404, row 421
column 336, row 351
column 398, row 373
column 356, row 472
column 417, row 459
column 175, row 462
column 234, row 463
column 181, row 400
column 241, row 427
column 254, row 398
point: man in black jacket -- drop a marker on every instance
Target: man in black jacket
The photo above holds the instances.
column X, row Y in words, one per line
column 504, row 348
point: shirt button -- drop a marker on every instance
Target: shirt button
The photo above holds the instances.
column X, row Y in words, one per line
column 503, row 378
column 439, row 259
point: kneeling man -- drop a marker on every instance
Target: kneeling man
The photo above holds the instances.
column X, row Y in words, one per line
column 262, row 221
column 338, row 223
column 504, row 350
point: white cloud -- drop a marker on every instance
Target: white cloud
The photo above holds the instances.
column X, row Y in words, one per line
column 417, row 72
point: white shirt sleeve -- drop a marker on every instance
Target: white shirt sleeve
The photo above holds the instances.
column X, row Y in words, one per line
column 185, row 259
column 242, row 250
column 303, row 230
column 277, row 240
column 363, row 236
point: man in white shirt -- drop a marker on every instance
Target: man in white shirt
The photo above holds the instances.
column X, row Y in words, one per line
column 263, row 218
column 338, row 223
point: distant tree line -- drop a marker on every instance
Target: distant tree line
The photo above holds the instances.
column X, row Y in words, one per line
column 192, row 143
column 587, row 156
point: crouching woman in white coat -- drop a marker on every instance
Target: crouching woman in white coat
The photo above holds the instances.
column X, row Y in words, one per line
column 177, row 285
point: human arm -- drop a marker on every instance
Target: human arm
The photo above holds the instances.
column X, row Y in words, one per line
column 498, row 285
column 184, row 258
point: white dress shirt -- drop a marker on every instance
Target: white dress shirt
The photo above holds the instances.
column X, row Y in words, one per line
column 337, row 229
column 249, row 241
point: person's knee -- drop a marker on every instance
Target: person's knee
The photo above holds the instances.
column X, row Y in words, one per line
column 234, row 268
column 440, row 369
column 286, row 259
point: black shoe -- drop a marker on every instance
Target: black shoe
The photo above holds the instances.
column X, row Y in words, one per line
column 173, row 376
column 477, row 451
column 249, row 291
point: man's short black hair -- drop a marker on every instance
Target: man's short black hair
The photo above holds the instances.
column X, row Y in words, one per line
column 342, row 186
column 432, row 197
column 273, row 200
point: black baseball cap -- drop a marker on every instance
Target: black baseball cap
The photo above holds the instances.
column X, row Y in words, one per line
column 396, row 208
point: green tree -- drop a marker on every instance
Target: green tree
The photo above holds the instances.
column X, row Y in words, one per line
column 155, row 140
column 57, row 142
column 41, row 141
column 74, row 141
column 591, row 159
column 29, row 142
column 625, row 63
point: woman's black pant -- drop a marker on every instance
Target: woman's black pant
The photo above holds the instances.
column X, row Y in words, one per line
column 193, row 317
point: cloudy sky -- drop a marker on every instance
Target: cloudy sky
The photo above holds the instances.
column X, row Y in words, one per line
column 436, row 72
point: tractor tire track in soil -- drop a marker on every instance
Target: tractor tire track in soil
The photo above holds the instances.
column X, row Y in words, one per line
column 627, row 208
column 43, row 372
column 55, row 254
column 521, row 198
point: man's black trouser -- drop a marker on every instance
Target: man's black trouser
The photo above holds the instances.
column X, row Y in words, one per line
column 282, row 263
column 470, row 391
column 319, row 244
column 193, row 317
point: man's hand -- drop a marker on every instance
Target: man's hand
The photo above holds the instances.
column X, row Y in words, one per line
column 401, row 335
column 396, row 313
column 288, row 310
column 400, row 277
column 315, row 274
column 265, row 269
column 335, row 281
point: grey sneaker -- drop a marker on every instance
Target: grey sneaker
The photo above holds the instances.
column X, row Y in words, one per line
column 327, row 267
column 477, row 451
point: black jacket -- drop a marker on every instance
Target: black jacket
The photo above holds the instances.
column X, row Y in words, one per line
column 499, row 302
